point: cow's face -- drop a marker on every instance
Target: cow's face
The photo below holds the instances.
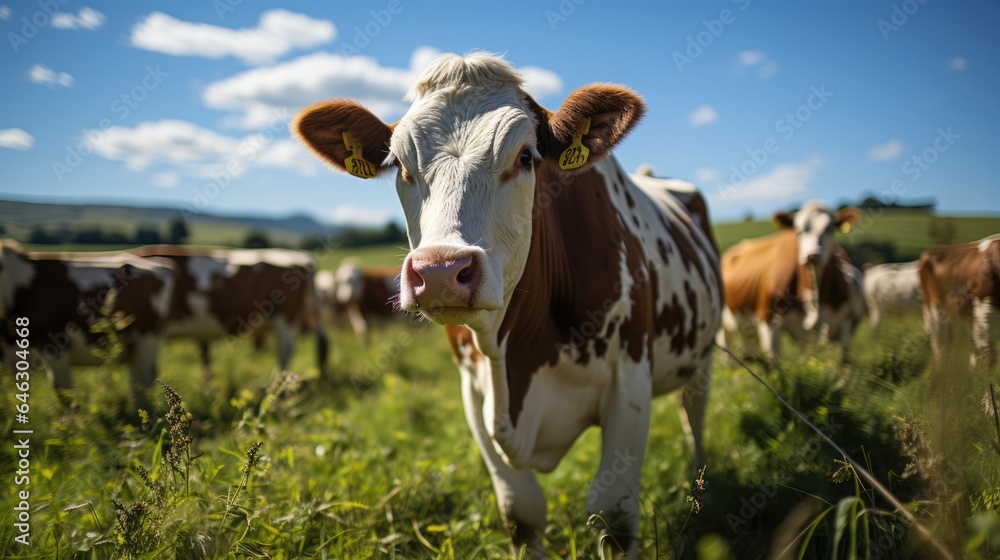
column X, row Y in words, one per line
column 465, row 157
column 816, row 225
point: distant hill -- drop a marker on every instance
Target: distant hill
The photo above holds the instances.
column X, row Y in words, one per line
column 18, row 218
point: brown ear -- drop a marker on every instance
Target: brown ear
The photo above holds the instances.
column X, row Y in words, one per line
column 846, row 218
column 612, row 112
column 326, row 128
column 783, row 220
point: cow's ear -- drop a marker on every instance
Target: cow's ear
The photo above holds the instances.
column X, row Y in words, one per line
column 846, row 218
column 346, row 135
column 591, row 121
column 783, row 220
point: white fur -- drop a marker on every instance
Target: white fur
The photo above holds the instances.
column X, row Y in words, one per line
column 892, row 289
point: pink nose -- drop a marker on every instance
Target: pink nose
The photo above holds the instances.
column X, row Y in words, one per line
column 442, row 282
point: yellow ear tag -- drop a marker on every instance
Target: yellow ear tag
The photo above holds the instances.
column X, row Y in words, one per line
column 356, row 164
column 576, row 154
column 845, row 227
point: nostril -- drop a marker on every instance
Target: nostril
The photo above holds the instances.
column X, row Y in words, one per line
column 466, row 275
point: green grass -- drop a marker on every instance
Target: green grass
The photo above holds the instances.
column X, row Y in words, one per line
column 378, row 462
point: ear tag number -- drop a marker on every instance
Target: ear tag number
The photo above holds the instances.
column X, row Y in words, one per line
column 576, row 154
column 356, row 164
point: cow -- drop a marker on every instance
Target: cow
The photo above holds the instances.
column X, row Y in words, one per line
column 64, row 297
column 892, row 288
column 366, row 295
column 771, row 282
column 242, row 293
column 570, row 294
column 961, row 282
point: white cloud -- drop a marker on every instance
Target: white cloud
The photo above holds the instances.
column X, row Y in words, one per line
column 783, row 182
column 164, row 180
column 705, row 175
column 197, row 151
column 356, row 216
column 765, row 66
column 886, row 152
column 5, row 12
column 86, row 18
column 41, row 74
column 703, row 115
column 957, row 63
column 750, row 58
column 278, row 32
column 260, row 93
column 16, row 139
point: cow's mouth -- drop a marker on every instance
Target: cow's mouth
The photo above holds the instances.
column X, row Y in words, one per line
column 452, row 315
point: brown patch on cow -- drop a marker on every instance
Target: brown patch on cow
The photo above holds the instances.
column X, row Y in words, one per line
column 761, row 276
column 834, row 286
column 664, row 250
column 377, row 298
column 460, row 338
column 951, row 276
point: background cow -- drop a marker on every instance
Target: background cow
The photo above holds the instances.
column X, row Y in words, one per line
column 582, row 294
column 892, row 289
column 366, row 295
column 64, row 296
column 796, row 279
column 239, row 293
column 962, row 281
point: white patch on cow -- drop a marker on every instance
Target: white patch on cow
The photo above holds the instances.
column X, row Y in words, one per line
column 349, row 281
column 813, row 225
column 88, row 276
column 984, row 243
column 281, row 258
column 892, row 289
column 203, row 268
column 982, row 308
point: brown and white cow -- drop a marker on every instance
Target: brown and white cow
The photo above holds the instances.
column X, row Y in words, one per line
column 961, row 281
column 797, row 279
column 572, row 295
column 366, row 294
column 892, row 288
column 64, row 295
column 239, row 293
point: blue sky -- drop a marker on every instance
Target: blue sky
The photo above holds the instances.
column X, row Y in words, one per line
column 761, row 104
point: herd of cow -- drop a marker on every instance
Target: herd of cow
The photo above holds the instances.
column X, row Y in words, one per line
column 154, row 293
column 571, row 292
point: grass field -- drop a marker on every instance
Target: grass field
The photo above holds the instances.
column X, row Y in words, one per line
column 376, row 461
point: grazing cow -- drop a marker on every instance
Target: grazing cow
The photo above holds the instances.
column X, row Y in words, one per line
column 962, row 280
column 63, row 296
column 223, row 293
column 571, row 295
column 367, row 294
column 892, row 288
column 771, row 281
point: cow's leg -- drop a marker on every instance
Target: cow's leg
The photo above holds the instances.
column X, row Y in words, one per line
column 284, row 336
column 933, row 328
column 614, row 494
column 694, row 401
column 59, row 370
column 769, row 333
column 358, row 322
column 142, row 368
column 983, row 352
column 519, row 497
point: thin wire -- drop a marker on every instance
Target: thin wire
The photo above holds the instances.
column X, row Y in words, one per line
column 857, row 466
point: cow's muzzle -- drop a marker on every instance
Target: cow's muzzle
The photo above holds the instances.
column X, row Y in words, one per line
column 443, row 280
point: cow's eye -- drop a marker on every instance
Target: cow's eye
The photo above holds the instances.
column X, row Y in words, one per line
column 526, row 157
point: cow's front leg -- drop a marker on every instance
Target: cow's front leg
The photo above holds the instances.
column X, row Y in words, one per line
column 982, row 344
column 519, row 497
column 613, row 500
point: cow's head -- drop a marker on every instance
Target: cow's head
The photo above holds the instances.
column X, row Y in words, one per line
column 466, row 156
column 816, row 225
